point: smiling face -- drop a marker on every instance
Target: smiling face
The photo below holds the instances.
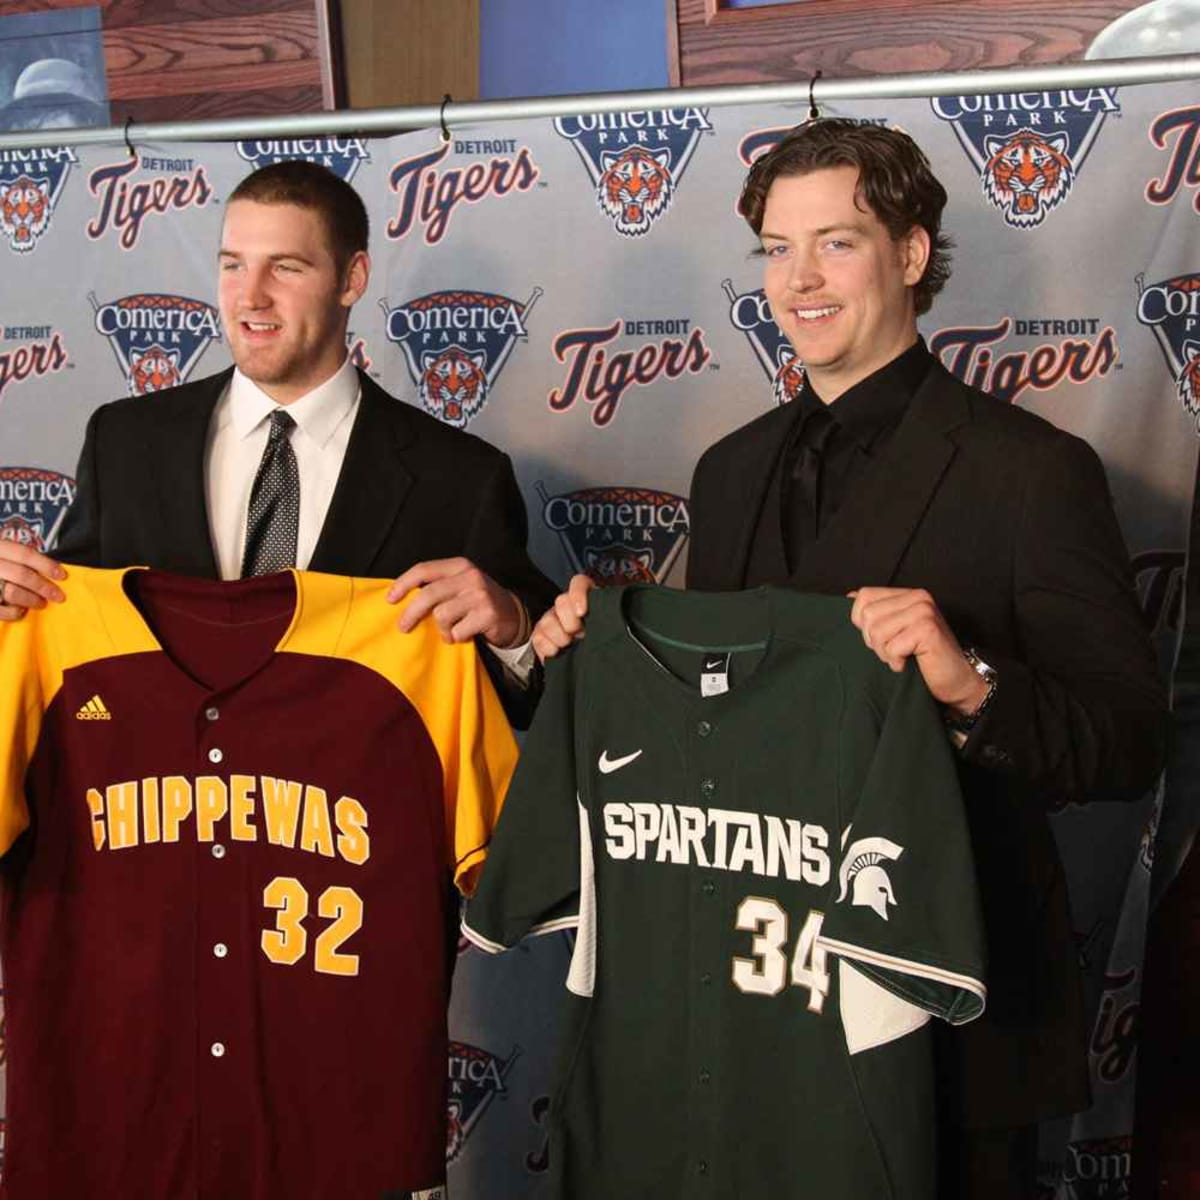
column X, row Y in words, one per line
column 839, row 287
column 284, row 300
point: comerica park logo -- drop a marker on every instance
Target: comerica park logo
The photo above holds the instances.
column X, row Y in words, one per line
column 341, row 155
column 1172, row 310
column 157, row 339
column 476, row 1078
column 635, row 160
column 31, row 182
column 33, row 503
column 455, row 345
column 750, row 312
column 619, row 535
column 1067, row 350
column 1028, row 147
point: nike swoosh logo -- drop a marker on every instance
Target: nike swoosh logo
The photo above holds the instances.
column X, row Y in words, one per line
column 609, row 765
column 713, row 664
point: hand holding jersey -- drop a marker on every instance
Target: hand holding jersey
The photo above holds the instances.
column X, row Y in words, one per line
column 27, row 580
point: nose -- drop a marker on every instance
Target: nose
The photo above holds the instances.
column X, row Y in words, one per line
column 804, row 274
column 254, row 288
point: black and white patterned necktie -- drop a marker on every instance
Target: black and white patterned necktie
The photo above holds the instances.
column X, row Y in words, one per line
column 273, row 518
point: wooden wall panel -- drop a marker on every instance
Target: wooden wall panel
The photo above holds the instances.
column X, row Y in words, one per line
column 170, row 60
column 851, row 38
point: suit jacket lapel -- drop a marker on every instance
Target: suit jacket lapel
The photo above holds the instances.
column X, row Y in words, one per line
column 749, row 488
column 370, row 489
column 174, row 454
column 863, row 544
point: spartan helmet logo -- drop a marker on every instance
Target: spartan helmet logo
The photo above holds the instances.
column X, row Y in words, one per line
column 863, row 873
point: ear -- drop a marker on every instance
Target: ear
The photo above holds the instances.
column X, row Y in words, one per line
column 993, row 144
column 915, row 246
column 355, row 278
column 1060, row 143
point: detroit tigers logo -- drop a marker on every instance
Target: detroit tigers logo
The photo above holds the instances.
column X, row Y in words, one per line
column 453, row 384
column 863, row 876
column 1028, row 147
column 153, row 369
column 1171, row 309
column 1027, row 175
column 635, row 160
column 789, row 376
column 24, row 211
column 635, row 188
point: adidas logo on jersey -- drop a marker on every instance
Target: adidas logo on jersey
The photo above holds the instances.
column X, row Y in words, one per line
column 94, row 710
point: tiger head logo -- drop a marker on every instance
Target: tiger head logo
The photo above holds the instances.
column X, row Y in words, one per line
column 615, row 565
column 1027, row 174
column 453, row 384
column 635, row 187
column 789, row 376
column 17, row 529
column 153, row 369
column 24, row 211
column 863, row 874
column 1188, row 383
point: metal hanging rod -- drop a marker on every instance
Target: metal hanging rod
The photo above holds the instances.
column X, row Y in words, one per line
column 1105, row 73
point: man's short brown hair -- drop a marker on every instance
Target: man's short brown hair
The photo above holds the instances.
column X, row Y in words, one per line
column 314, row 187
column 894, row 181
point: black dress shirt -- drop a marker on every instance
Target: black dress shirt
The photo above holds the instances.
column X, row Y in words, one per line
column 846, row 436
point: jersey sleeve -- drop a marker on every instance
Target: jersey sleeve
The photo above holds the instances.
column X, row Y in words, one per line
column 22, row 702
column 532, row 880
column 458, row 706
column 905, row 912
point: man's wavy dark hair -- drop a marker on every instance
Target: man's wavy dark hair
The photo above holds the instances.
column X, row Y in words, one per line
column 309, row 185
column 894, row 181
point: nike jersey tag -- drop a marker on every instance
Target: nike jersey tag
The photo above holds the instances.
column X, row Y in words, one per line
column 714, row 675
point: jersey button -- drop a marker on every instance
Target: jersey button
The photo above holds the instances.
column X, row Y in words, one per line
column 704, row 728
column 218, row 850
column 708, row 887
column 212, row 713
column 215, row 755
column 707, row 788
column 706, row 979
column 217, row 1049
column 220, row 949
column 702, row 1166
column 704, row 1076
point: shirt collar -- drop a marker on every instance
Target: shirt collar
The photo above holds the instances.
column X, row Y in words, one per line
column 876, row 403
column 318, row 413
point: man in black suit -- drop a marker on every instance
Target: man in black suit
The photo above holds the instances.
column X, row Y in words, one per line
column 383, row 489
column 975, row 538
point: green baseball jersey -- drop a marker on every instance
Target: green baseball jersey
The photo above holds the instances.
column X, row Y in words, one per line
column 757, row 830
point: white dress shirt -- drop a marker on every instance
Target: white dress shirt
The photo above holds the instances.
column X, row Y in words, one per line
column 237, row 436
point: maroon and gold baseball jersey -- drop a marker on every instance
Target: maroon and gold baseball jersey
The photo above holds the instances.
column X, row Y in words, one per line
column 229, row 816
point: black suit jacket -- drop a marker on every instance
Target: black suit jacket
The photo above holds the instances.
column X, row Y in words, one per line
column 410, row 489
column 1006, row 521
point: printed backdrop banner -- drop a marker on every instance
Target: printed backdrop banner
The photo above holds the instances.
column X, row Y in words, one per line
column 580, row 292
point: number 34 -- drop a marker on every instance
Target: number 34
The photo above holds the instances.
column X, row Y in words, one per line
column 766, row 973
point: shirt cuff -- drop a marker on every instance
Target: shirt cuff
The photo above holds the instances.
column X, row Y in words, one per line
column 517, row 661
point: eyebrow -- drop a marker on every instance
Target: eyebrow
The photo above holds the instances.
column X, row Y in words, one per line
column 843, row 227
column 293, row 256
